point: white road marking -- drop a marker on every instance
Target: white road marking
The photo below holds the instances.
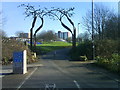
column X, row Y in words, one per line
column 27, row 78
column 76, row 83
column 50, row 86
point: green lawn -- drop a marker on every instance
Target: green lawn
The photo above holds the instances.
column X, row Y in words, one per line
column 57, row 43
column 51, row 46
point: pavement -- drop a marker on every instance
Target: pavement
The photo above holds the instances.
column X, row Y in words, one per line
column 8, row 69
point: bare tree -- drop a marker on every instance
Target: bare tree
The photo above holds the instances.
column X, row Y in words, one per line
column 3, row 34
column 111, row 28
column 101, row 15
column 35, row 13
column 0, row 19
column 47, row 36
column 84, row 36
column 87, row 22
column 61, row 13
column 2, row 22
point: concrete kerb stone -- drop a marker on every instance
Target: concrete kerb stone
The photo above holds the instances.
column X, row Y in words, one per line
column 8, row 69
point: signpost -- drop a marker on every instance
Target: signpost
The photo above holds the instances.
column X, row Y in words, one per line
column 20, row 62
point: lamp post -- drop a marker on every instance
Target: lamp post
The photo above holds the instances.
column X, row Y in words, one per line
column 93, row 46
column 78, row 33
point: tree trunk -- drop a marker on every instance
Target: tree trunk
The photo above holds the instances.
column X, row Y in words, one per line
column 36, row 33
column 74, row 40
column 31, row 34
column 35, row 42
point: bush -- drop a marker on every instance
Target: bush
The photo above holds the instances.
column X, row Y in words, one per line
column 112, row 63
column 105, row 48
column 107, row 53
column 9, row 46
column 83, row 49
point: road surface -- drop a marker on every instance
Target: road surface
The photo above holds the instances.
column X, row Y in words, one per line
column 54, row 71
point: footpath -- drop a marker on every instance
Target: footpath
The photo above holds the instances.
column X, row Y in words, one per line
column 8, row 69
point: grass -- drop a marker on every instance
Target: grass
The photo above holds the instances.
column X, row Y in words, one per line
column 51, row 46
column 57, row 43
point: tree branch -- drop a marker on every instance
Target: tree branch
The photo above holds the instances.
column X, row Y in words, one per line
column 33, row 24
column 70, row 21
column 66, row 27
column 39, row 27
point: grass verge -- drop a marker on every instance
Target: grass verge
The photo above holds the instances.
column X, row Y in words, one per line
column 50, row 46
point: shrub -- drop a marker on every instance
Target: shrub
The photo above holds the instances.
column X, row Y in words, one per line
column 9, row 46
column 112, row 63
column 83, row 49
column 105, row 48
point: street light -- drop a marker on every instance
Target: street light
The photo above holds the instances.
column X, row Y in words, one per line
column 93, row 46
column 78, row 32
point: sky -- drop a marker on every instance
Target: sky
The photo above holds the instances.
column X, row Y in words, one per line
column 15, row 19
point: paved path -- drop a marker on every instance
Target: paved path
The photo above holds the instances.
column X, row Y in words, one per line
column 8, row 69
column 56, row 71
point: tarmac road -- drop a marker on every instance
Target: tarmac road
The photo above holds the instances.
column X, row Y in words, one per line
column 57, row 72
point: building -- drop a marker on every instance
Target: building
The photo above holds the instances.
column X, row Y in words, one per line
column 24, row 35
column 63, row 35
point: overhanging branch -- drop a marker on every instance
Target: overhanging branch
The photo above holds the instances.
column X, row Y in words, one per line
column 33, row 24
column 39, row 27
column 66, row 27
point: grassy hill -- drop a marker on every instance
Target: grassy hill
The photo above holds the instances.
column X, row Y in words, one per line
column 51, row 46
